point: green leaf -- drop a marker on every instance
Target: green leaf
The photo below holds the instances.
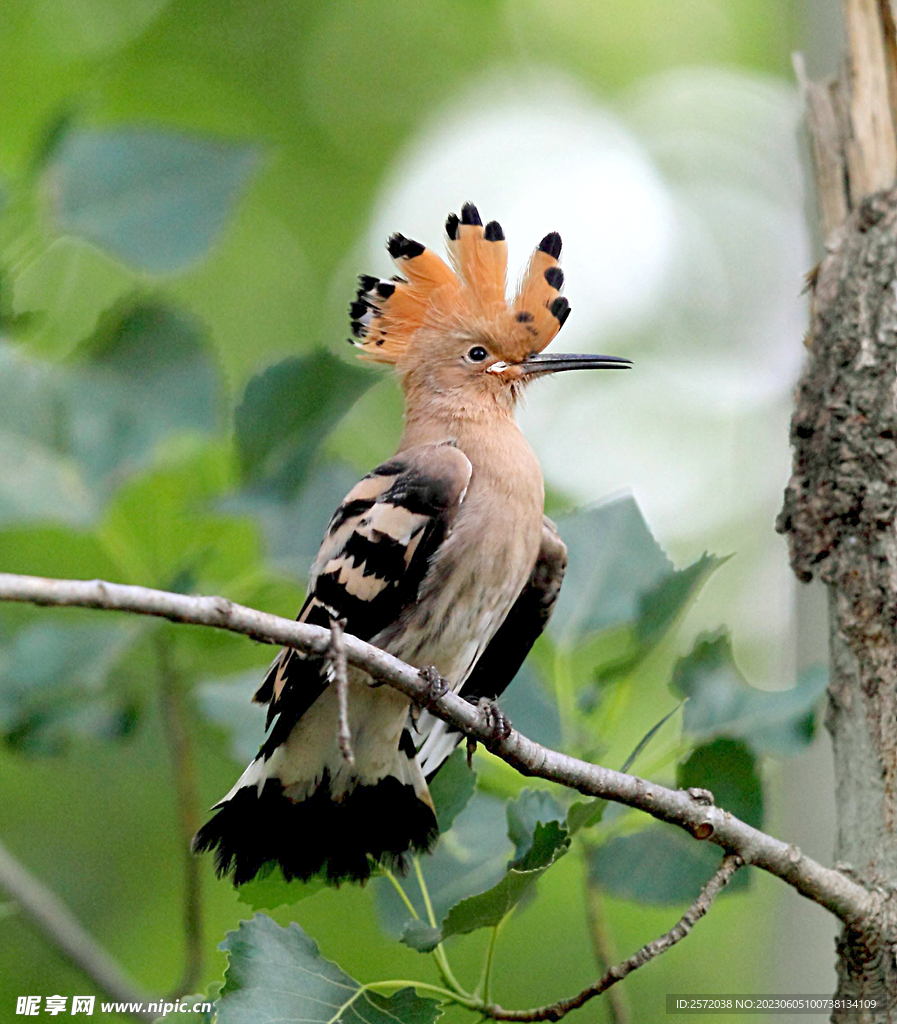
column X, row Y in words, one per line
column 469, row 858
column 619, row 579
column 421, row 936
column 452, row 789
column 160, row 528
column 472, row 860
column 728, row 768
column 70, row 434
column 613, row 560
column 55, row 551
column 157, row 199
column 146, row 375
column 550, row 842
column 41, row 478
column 585, row 814
column 658, row 610
column 660, row 864
column 276, row 973
column 531, row 808
column 68, row 286
column 529, row 706
column 664, row 603
column 54, row 684
column 285, row 414
column 293, row 527
column 721, row 702
column 268, row 892
column 535, row 826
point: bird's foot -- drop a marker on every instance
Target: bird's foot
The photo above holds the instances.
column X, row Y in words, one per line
column 437, row 686
column 494, row 718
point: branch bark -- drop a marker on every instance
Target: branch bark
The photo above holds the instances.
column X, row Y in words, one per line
column 692, row 811
column 731, row 863
column 341, row 681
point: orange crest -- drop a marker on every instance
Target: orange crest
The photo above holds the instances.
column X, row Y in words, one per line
column 386, row 314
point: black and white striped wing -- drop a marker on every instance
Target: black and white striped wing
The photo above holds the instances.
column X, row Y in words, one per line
column 375, row 554
column 299, row 803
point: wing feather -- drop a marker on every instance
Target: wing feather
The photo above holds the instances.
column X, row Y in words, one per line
column 374, row 556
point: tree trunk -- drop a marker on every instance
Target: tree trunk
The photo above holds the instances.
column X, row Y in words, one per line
column 840, row 509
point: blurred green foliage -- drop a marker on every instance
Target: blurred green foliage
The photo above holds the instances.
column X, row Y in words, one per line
column 183, row 188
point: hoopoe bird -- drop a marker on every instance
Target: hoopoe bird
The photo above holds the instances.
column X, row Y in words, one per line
column 441, row 556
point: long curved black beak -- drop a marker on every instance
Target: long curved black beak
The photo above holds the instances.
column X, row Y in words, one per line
column 553, row 362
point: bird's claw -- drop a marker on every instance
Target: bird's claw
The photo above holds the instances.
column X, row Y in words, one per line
column 437, row 685
column 493, row 716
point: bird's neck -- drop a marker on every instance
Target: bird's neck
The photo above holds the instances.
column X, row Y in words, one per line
column 434, row 418
column 488, row 434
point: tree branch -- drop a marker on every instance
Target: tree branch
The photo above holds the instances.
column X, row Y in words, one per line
column 648, row 952
column 341, row 681
column 691, row 811
column 53, row 917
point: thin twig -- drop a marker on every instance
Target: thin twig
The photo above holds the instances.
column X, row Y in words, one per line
column 44, row 908
column 341, row 679
column 845, row 898
column 184, row 775
column 605, row 955
column 731, row 863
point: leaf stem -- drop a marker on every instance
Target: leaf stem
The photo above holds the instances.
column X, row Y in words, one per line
column 442, row 964
column 431, row 917
column 487, row 973
column 462, row 998
column 397, row 885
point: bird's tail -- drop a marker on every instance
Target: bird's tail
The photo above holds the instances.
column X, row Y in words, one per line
column 335, row 821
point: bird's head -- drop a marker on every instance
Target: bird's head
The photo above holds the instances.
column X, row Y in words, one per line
column 450, row 330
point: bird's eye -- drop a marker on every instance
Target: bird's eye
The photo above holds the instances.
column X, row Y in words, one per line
column 477, row 354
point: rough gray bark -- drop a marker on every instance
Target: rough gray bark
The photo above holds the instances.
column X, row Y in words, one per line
column 840, row 510
column 841, row 516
